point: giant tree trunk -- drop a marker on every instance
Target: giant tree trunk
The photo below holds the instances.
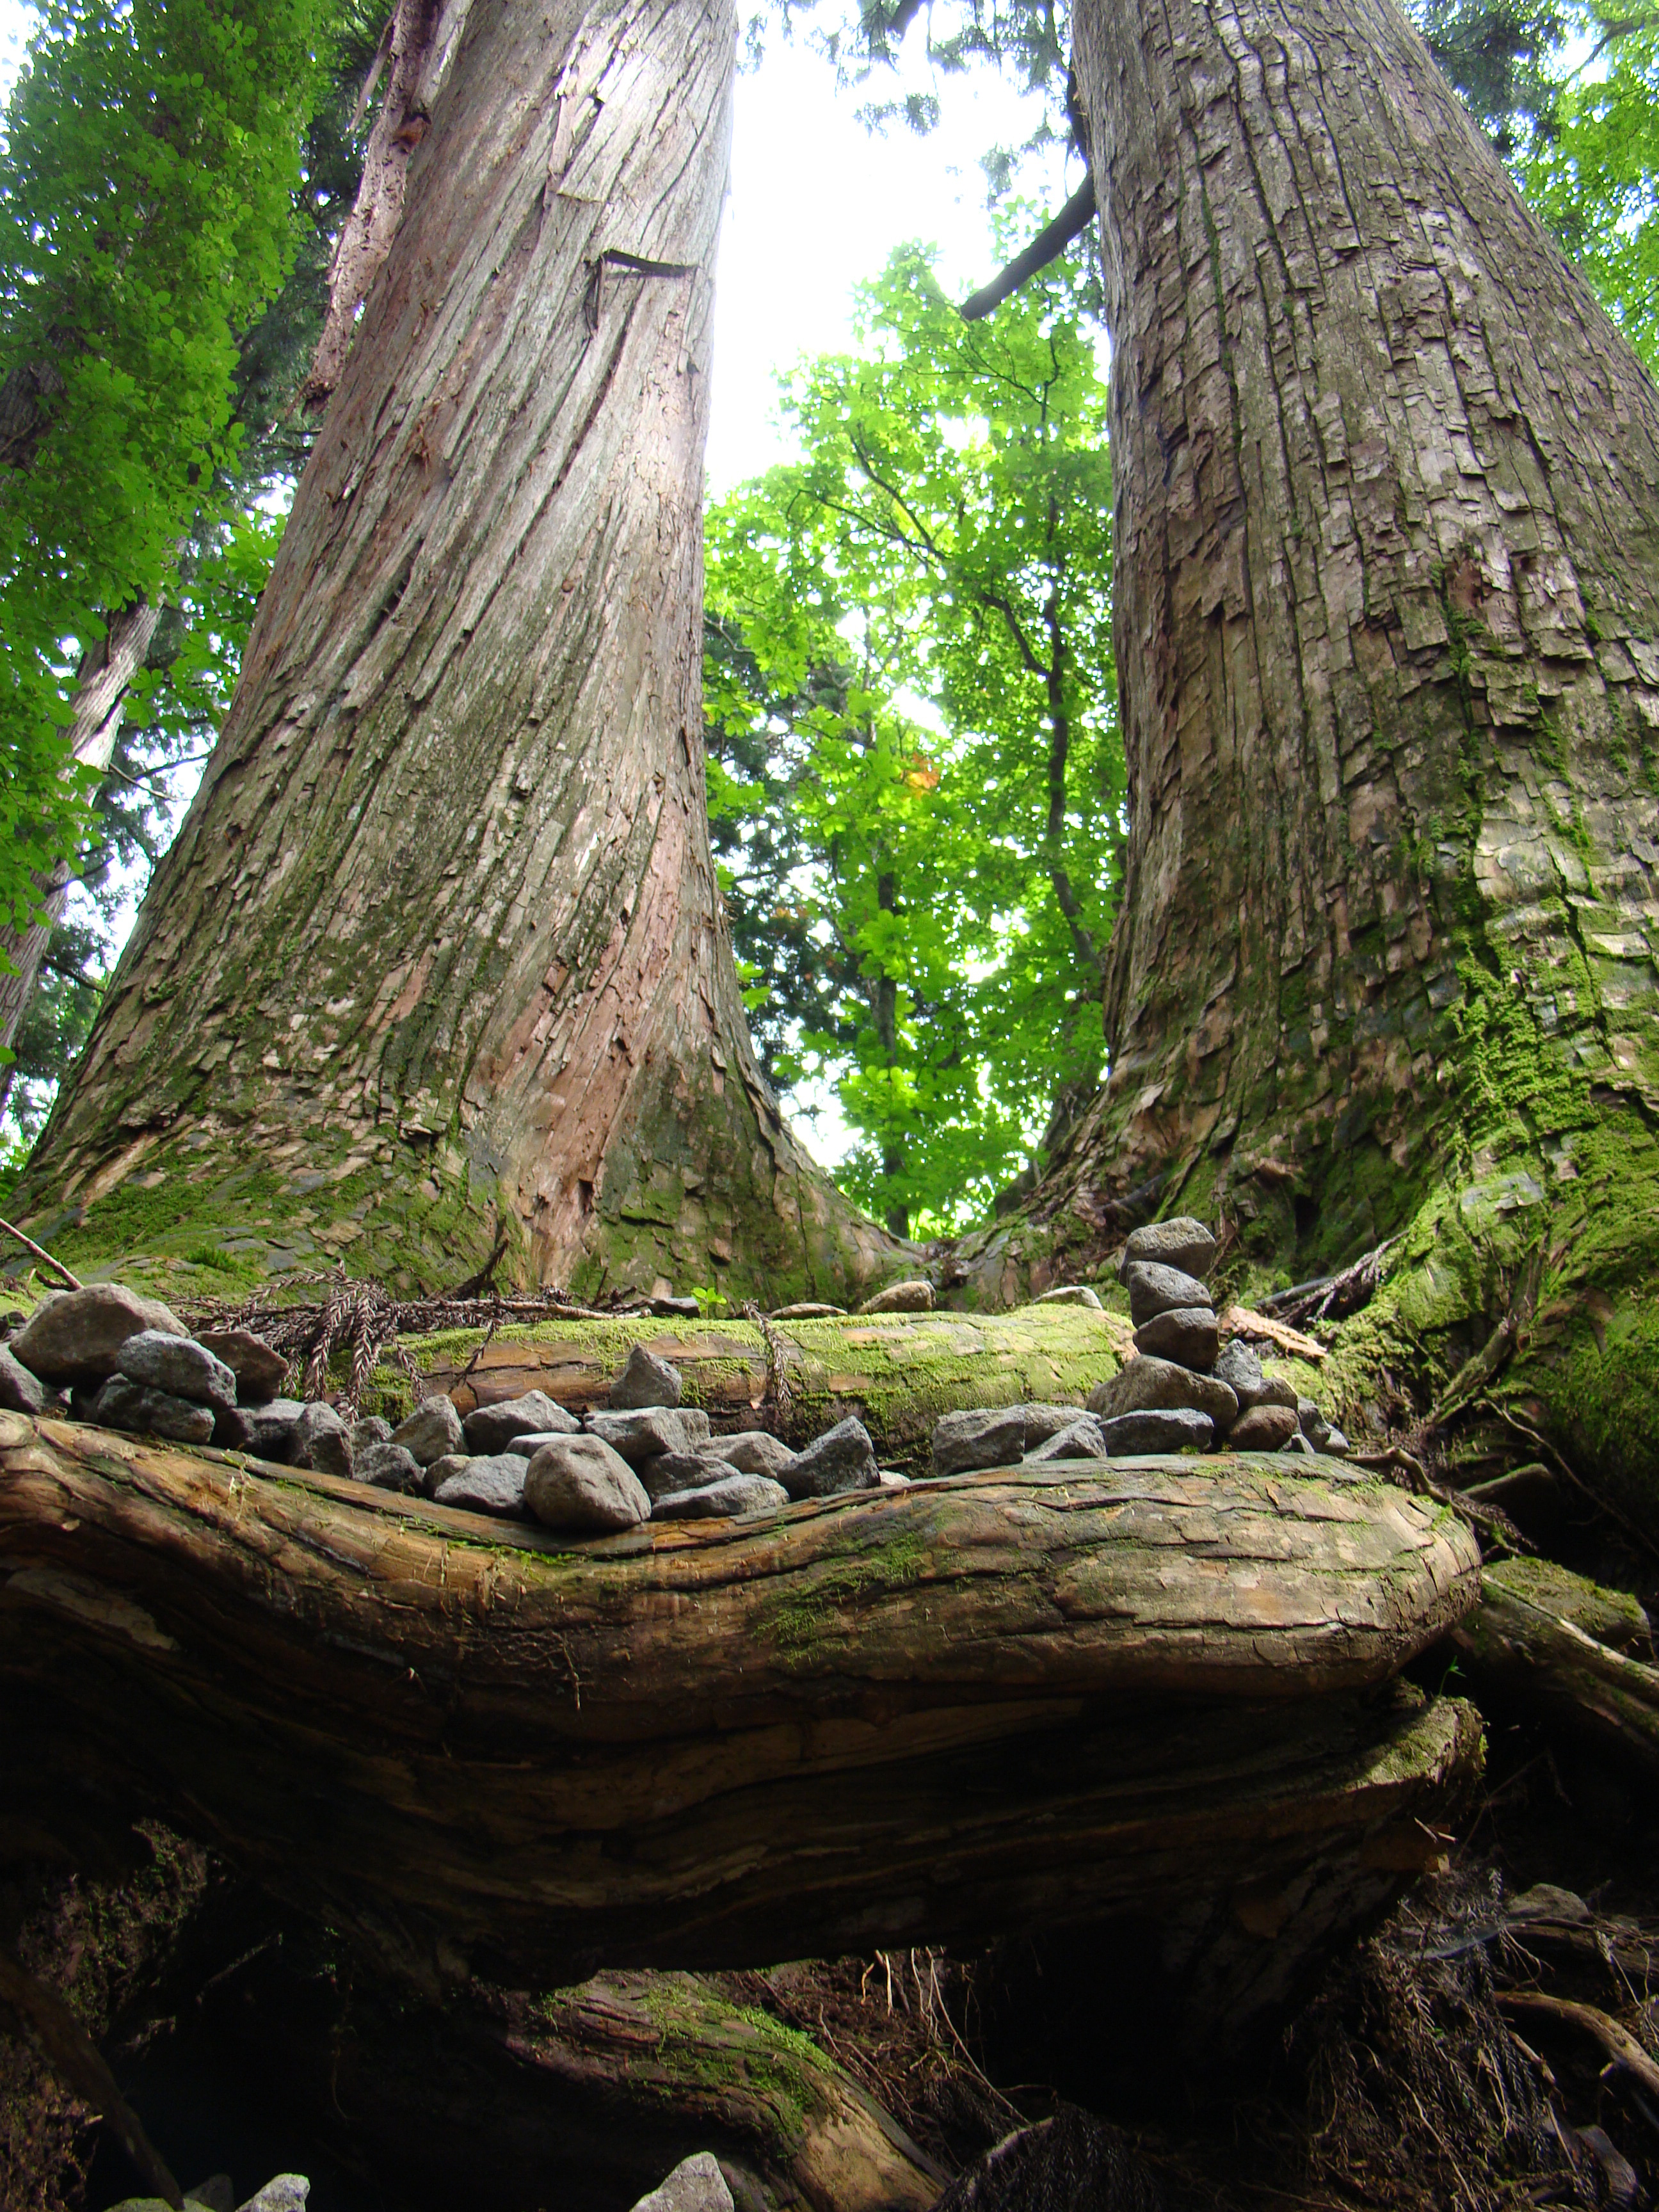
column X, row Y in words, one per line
column 440, row 937
column 1387, row 643
column 975, row 1705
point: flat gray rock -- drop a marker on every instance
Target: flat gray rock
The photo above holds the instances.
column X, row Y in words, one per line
column 1148, row 1382
column 752, row 1451
column 179, row 1365
column 646, row 1380
column 123, row 1404
column 20, row 1391
column 527, row 1447
column 674, row 1309
column 450, row 1463
column 1297, row 1447
column 579, row 1484
column 842, row 1458
column 640, row 1434
column 272, row 1427
column 1154, row 1289
column 75, row 1336
column 1083, row 1440
column 809, row 1310
column 1187, row 1334
column 288, row 2192
column 1071, row 1294
column 696, row 2185
column 216, row 2194
column 981, row 1435
column 322, row 1441
column 731, row 1494
column 1263, row 1429
column 493, row 1484
column 1313, row 1424
column 1158, row 1428
column 258, row 1369
column 666, row 1472
column 492, row 1428
column 1182, row 1242
column 389, row 1465
column 1043, row 1421
column 914, row 1296
column 231, row 1429
column 1337, row 1445
column 372, row 1428
column 1240, row 1370
column 432, row 1428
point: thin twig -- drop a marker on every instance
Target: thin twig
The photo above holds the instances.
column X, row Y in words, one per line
column 1619, row 2045
column 57, row 1266
column 1542, row 1444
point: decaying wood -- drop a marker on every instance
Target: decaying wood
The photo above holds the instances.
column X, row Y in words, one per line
column 890, row 1717
column 1566, row 1648
column 1621, row 2045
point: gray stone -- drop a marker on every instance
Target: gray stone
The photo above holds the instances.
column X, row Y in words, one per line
column 1337, row 1445
column 322, row 1442
column 1083, row 1440
column 272, row 1427
column 432, row 1428
column 1071, row 1294
column 915, row 1297
column 1146, row 1382
column 1187, row 1334
column 492, row 1428
column 287, row 2193
column 696, row 2185
column 842, row 1458
column 809, row 1310
column 1154, row 1289
column 674, row 1309
column 1278, row 1390
column 1183, row 1243
column 1263, row 1429
column 753, row 1451
column 1043, row 1421
column 231, row 1429
column 20, row 1391
column 640, row 1436
column 1240, row 1370
column 664, row 1473
column 389, row 1465
column 889, row 1478
column 491, row 1484
column 372, row 1428
column 527, row 1447
column 1313, row 1423
column 1299, row 1446
column 646, row 1380
column 580, row 1484
column 179, row 1365
column 730, row 1494
column 450, row 1463
column 123, row 1404
column 983, row 1436
column 1158, row 1428
column 216, row 2194
column 260, row 1370
column 75, row 1336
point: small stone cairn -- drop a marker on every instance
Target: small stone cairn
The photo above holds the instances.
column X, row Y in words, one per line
column 1181, row 1392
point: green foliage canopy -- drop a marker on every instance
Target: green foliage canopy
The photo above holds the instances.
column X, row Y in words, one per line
column 916, row 779
column 148, row 212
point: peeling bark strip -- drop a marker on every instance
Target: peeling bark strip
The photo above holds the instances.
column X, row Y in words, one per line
column 442, row 927
column 1042, row 1698
column 1387, row 620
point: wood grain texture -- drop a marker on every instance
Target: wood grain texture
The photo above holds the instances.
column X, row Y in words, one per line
column 886, row 1718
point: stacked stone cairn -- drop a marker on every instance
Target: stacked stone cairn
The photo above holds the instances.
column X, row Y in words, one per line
column 127, row 1361
column 1181, row 1392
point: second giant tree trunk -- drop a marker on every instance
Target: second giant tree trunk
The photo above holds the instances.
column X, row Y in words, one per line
column 439, row 939
column 1387, row 557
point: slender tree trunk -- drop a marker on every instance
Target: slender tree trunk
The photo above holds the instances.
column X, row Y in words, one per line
column 1388, row 642
column 100, row 703
column 440, row 934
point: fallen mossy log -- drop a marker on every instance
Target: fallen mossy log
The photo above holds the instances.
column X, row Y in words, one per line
column 1570, row 1652
column 897, row 1372
column 937, row 1713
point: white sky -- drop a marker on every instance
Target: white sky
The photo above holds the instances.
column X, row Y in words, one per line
column 817, row 205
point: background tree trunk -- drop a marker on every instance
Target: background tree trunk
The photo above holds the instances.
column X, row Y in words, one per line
column 440, row 933
column 1387, row 643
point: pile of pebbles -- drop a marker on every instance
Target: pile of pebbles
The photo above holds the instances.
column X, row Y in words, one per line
column 1181, row 1392
column 127, row 1362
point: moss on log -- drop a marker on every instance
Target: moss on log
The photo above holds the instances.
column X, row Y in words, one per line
column 898, row 1372
column 887, row 1718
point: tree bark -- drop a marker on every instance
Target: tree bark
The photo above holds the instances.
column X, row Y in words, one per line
column 1387, row 646
column 99, row 705
column 440, row 933
column 970, row 1706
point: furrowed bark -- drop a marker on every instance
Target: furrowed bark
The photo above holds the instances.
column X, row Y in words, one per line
column 886, row 1718
column 1386, row 561
column 441, row 935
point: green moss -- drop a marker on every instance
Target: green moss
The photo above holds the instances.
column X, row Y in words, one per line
column 820, row 1604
